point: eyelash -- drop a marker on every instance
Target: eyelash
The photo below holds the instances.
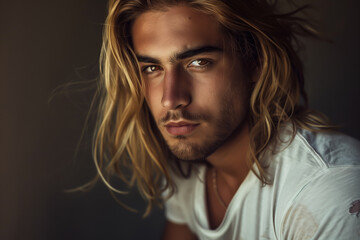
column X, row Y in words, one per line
column 207, row 63
column 146, row 69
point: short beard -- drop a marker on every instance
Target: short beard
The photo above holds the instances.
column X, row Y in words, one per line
column 226, row 127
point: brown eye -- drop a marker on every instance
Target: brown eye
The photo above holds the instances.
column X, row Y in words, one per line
column 199, row 63
column 151, row 69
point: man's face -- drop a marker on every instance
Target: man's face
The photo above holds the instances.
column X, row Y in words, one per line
column 195, row 86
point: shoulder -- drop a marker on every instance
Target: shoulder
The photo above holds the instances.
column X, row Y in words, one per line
column 295, row 160
column 319, row 150
column 326, row 204
column 334, row 148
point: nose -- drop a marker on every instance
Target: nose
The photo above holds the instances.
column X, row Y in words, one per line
column 176, row 90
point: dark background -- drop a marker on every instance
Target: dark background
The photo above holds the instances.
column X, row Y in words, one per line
column 45, row 44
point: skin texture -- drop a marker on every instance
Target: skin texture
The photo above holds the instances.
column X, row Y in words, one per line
column 196, row 91
column 198, row 100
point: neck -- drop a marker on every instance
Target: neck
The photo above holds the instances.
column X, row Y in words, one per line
column 229, row 160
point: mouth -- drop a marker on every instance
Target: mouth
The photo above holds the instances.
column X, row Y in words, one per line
column 180, row 128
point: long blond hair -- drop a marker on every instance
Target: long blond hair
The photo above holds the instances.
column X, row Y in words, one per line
column 126, row 139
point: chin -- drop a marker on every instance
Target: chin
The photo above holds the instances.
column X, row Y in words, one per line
column 191, row 151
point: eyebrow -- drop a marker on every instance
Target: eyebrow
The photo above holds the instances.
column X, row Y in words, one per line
column 182, row 55
column 146, row 59
column 195, row 51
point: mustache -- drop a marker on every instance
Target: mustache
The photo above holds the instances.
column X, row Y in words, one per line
column 174, row 116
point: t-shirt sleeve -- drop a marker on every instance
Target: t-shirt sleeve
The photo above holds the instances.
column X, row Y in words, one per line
column 328, row 207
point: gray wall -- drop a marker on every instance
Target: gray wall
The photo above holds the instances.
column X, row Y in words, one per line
column 44, row 44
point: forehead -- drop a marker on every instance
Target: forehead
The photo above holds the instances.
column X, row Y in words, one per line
column 174, row 28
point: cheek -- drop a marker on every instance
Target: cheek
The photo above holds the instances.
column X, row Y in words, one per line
column 216, row 89
column 153, row 99
column 220, row 80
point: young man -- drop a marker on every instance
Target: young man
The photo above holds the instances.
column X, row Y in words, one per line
column 202, row 101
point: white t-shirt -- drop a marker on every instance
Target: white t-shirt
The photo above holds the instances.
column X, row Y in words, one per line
column 315, row 194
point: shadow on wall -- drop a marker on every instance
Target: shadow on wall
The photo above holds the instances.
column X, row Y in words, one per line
column 45, row 44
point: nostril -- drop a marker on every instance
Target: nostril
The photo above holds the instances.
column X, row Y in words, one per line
column 178, row 106
column 175, row 98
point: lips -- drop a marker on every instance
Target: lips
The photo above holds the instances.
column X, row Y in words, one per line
column 180, row 128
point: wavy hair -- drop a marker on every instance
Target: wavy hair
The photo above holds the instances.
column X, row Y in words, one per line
column 127, row 143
